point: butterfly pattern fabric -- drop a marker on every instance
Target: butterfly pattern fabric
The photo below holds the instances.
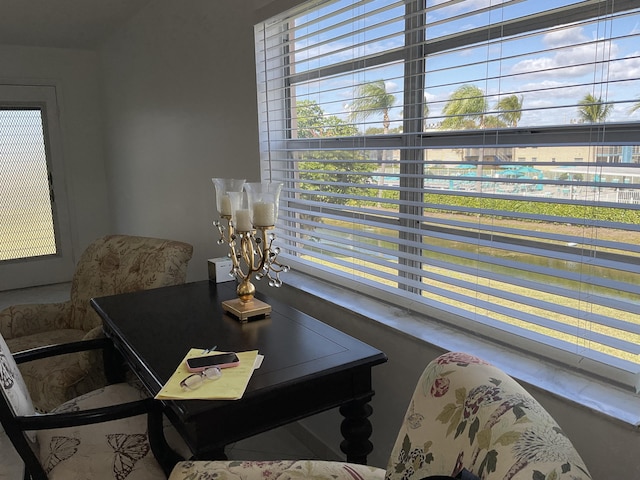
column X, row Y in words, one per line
column 13, row 391
column 128, row 449
column 117, row 450
column 12, row 383
column 6, row 375
column 60, row 449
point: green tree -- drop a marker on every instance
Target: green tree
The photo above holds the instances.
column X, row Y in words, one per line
column 465, row 109
column 491, row 121
column 371, row 99
column 330, row 173
column 314, row 123
column 592, row 110
column 380, row 131
column 510, row 109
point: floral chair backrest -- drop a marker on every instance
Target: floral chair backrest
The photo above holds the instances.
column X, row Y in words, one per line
column 467, row 414
column 15, row 393
column 124, row 263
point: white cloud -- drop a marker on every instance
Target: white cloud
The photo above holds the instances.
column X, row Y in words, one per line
column 570, row 60
column 626, row 68
column 564, row 37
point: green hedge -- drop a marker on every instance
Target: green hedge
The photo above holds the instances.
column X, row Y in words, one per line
column 606, row 214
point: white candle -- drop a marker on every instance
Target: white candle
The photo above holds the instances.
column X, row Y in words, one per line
column 225, row 206
column 243, row 220
column 264, row 214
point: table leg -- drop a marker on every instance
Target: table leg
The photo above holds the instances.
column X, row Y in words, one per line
column 356, row 430
column 218, row 454
column 211, row 454
column 114, row 367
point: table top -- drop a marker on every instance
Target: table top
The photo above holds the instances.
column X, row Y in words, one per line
column 158, row 327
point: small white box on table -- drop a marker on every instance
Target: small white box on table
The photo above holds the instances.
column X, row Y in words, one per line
column 219, row 269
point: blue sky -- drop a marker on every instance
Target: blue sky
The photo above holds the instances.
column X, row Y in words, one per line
column 555, row 69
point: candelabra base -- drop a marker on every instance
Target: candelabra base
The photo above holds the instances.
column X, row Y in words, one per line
column 244, row 312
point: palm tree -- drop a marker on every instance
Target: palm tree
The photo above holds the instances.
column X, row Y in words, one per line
column 635, row 107
column 466, row 106
column 510, row 109
column 372, row 98
column 592, row 110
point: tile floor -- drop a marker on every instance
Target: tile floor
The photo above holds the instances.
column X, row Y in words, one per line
column 276, row 444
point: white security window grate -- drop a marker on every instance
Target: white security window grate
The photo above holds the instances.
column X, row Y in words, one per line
column 26, row 218
column 477, row 160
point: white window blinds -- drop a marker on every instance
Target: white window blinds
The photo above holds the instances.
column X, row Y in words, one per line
column 477, row 160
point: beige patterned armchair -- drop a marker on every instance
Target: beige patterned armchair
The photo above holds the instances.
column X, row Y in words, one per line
column 464, row 414
column 110, row 265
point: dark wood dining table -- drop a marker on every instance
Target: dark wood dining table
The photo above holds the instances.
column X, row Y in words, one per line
column 309, row 366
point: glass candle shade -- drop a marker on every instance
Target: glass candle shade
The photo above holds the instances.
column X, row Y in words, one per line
column 224, row 186
column 263, row 202
column 233, row 202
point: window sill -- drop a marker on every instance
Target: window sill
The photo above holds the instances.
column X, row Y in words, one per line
column 606, row 399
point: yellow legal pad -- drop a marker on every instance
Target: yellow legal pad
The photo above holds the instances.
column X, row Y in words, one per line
column 230, row 386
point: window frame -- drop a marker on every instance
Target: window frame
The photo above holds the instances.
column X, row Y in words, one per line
column 609, row 134
column 57, row 267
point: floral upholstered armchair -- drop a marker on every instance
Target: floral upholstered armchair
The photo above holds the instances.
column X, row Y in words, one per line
column 464, row 415
column 111, row 265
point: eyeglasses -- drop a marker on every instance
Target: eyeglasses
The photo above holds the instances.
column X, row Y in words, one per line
column 195, row 380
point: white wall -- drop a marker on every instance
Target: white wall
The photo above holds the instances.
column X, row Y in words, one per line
column 181, row 108
column 75, row 74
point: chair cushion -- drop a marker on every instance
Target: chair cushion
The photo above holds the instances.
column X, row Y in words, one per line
column 280, row 470
column 11, row 465
column 12, row 382
column 112, row 450
column 15, row 390
column 51, row 380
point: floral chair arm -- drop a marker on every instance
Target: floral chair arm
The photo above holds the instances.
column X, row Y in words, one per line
column 27, row 319
column 466, row 413
column 271, row 470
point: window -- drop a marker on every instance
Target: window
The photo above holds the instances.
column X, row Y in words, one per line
column 35, row 235
column 401, row 131
column 27, row 219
